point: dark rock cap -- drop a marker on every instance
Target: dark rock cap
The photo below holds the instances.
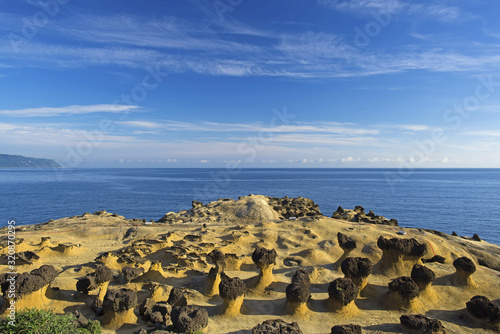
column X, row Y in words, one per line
column 120, row 299
column 405, row 286
column 276, row 326
column 476, row 237
column 301, row 277
column 420, row 323
column 409, row 247
column 346, row 329
column 422, row 275
column 264, row 257
column 345, row 242
column 25, row 283
column 86, row 284
column 231, row 288
column 176, row 298
column 297, row 293
column 343, row 290
column 189, row 319
column 356, row 267
column 483, row 308
column 130, row 274
column 218, row 258
column 465, row 264
column 47, row 272
column 103, row 274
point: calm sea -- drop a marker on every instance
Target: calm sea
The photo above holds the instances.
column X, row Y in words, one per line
column 462, row 200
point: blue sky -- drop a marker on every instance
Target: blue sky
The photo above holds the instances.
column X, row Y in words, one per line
column 312, row 83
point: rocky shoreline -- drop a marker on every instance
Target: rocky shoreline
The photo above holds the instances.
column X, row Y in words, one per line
column 275, row 264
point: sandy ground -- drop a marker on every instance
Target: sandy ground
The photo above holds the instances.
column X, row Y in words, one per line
column 307, row 242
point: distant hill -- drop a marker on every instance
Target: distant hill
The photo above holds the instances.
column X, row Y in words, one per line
column 18, row 161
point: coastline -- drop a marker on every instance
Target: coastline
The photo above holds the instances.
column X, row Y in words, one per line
column 181, row 241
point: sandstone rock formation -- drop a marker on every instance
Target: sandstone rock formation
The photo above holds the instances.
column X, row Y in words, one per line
column 297, row 294
column 30, row 288
column 214, row 276
column 232, row 291
column 464, row 269
column 423, row 277
column 357, row 269
column 342, row 292
column 399, row 255
column 403, row 292
column 118, row 306
column 265, row 259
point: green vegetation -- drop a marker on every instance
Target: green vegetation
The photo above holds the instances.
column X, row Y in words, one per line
column 34, row 321
column 18, row 161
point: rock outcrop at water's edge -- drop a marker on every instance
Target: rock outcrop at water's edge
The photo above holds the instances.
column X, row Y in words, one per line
column 238, row 266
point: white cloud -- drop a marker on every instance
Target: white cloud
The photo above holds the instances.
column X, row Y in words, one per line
column 141, row 124
column 487, row 133
column 69, row 110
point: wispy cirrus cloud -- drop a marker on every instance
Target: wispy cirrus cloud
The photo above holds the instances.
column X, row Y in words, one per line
column 68, row 110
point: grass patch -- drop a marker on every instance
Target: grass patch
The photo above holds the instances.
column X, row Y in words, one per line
column 35, row 321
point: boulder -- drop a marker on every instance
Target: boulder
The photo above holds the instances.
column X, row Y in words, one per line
column 402, row 292
column 297, row 293
column 218, row 259
column 47, row 272
column 129, row 274
column 346, row 329
column 118, row 308
column 176, row 298
column 276, row 326
column 189, row 319
column 357, row 269
column 418, row 323
column 483, row 309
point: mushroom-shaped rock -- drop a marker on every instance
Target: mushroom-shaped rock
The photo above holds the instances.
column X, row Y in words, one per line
column 342, row 292
column 357, row 269
column 402, row 292
column 297, row 296
column 176, row 298
column 464, row 269
column 418, row 323
column 118, row 308
column 301, row 277
column 345, row 242
column 423, row 276
column 103, row 275
column 218, row 259
column 346, row 329
column 30, row 288
column 214, row 276
column 399, row 255
column 484, row 311
column 276, row 326
column 265, row 259
column 189, row 319
column 232, row 291
column 130, row 274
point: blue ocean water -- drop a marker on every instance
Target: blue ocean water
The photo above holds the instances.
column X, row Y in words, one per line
column 461, row 200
